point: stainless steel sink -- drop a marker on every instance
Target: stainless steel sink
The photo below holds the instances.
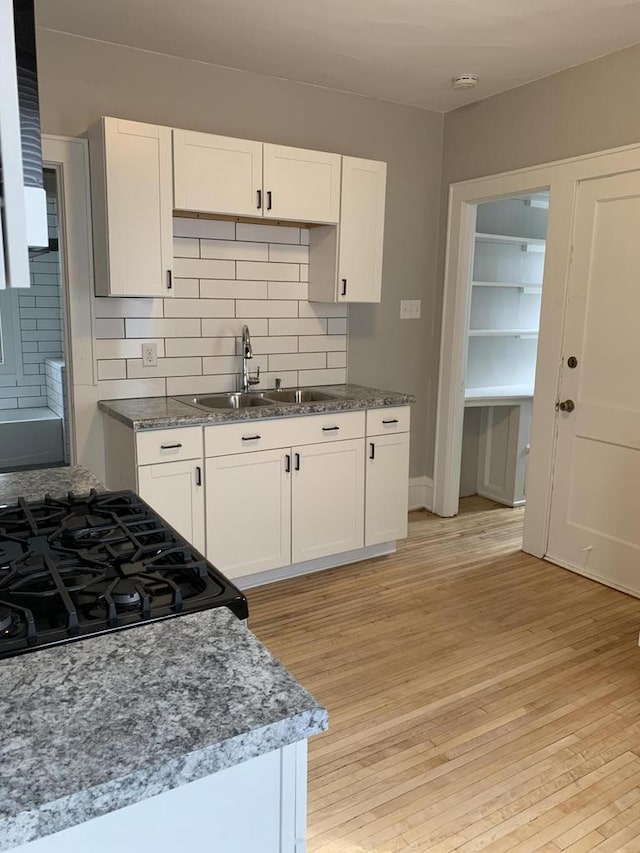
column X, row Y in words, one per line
column 299, row 395
column 237, row 400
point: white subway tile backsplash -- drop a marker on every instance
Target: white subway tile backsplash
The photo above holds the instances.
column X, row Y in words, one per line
column 120, row 389
column 109, row 328
column 297, row 327
column 212, row 229
column 186, row 247
column 288, row 290
column 328, row 343
column 186, row 288
column 298, row 361
column 232, row 328
column 337, row 327
column 199, row 308
column 264, row 346
column 136, row 369
column 267, row 233
column 126, row 348
column 114, row 369
column 114, row 306
column 322, row 377
column 323, row 309
column 217, row 289
column 200, row 346
column 178, row 385
column 266, row 308
column 234, row 250
column 225, row 275
column 160, row 328
column 336, row 359
column 256, row 271
column 205, row 268
column 285, row 253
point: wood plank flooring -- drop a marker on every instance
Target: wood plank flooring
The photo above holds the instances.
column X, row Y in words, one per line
column 479, row 699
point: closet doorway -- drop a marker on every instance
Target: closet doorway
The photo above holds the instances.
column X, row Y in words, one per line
column 505, row 292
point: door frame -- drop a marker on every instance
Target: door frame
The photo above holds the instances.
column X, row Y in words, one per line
column 69, row 158
column 561, row 178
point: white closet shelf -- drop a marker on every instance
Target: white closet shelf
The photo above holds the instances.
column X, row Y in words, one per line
column 532, row 288
column 503, row 333
column 497, row 395
column 532, row 244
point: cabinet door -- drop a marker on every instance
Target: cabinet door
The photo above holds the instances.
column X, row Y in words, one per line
column 174, row 490
column 328, row 499
column 361, row 230
column 301, row 185
column 387, row 490
column 138, row 194
column 249, row 512
column 217, row 174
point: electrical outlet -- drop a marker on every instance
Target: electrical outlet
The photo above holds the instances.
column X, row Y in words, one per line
column 410, row 309
column 149, row 355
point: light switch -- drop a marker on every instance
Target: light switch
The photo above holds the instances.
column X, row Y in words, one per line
column 410, row 309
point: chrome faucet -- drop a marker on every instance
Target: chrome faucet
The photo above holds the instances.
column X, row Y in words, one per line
column 247, row 352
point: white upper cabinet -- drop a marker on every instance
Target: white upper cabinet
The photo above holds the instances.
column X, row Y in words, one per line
column 361, row 230
column 301, row 185
column 346, row 262
column 217, row 174
column 132, row 197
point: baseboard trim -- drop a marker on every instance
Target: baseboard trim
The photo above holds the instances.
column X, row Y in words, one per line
column 593, row 576
column 310, row 566
column 421, row 493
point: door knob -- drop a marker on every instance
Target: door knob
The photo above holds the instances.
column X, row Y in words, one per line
column 566, row 406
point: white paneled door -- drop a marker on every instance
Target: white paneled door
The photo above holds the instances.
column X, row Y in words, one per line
column 595, row 521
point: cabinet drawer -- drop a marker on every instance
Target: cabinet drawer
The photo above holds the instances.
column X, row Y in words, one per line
column 389, row 420
column 220, row 440
column 169, row 445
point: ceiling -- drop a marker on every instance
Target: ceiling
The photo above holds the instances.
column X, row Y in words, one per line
column 405, row 51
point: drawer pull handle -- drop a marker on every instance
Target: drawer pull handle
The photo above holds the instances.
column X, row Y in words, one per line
column 169, row 279
column 170, row 446
column 198, row 475
column 344, row 287
column 287, row 464
column 268, row 199
column 330, row 429
column 251, row 437
column 390, row 421
column 259, row 199
column 372, row 455
column 297, row 455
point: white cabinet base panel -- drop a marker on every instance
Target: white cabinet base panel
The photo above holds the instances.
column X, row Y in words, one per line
column 310, row 566
column 259, row 805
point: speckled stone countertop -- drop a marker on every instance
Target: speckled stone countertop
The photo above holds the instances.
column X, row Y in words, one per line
column 32, row 485
column 102, row 723
column 160, row 412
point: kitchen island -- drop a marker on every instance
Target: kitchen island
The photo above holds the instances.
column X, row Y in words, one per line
column 180, row 732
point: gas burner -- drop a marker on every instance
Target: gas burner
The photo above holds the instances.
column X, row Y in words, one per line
column 6, row 619
column 81, row 565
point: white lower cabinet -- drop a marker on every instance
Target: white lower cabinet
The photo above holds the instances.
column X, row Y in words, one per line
column 387, row 493
column 249, row 511
column 328, row 499
column 174, row 489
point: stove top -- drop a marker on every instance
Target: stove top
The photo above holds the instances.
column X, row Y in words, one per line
column 87, row 564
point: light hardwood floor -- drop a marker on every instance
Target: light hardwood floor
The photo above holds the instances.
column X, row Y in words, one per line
column 479, row 699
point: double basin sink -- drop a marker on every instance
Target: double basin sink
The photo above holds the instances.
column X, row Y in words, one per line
column 251, row 399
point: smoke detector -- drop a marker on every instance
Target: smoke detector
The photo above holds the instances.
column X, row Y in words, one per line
column 465, row 81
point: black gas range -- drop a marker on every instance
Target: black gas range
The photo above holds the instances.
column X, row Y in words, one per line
column 87, row 564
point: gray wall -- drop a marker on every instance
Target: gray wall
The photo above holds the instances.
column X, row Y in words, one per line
column 588, row 108
column 81, row 80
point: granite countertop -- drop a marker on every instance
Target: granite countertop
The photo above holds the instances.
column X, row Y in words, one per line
column 99, row 724
column 160, row 412
column 32, row 485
